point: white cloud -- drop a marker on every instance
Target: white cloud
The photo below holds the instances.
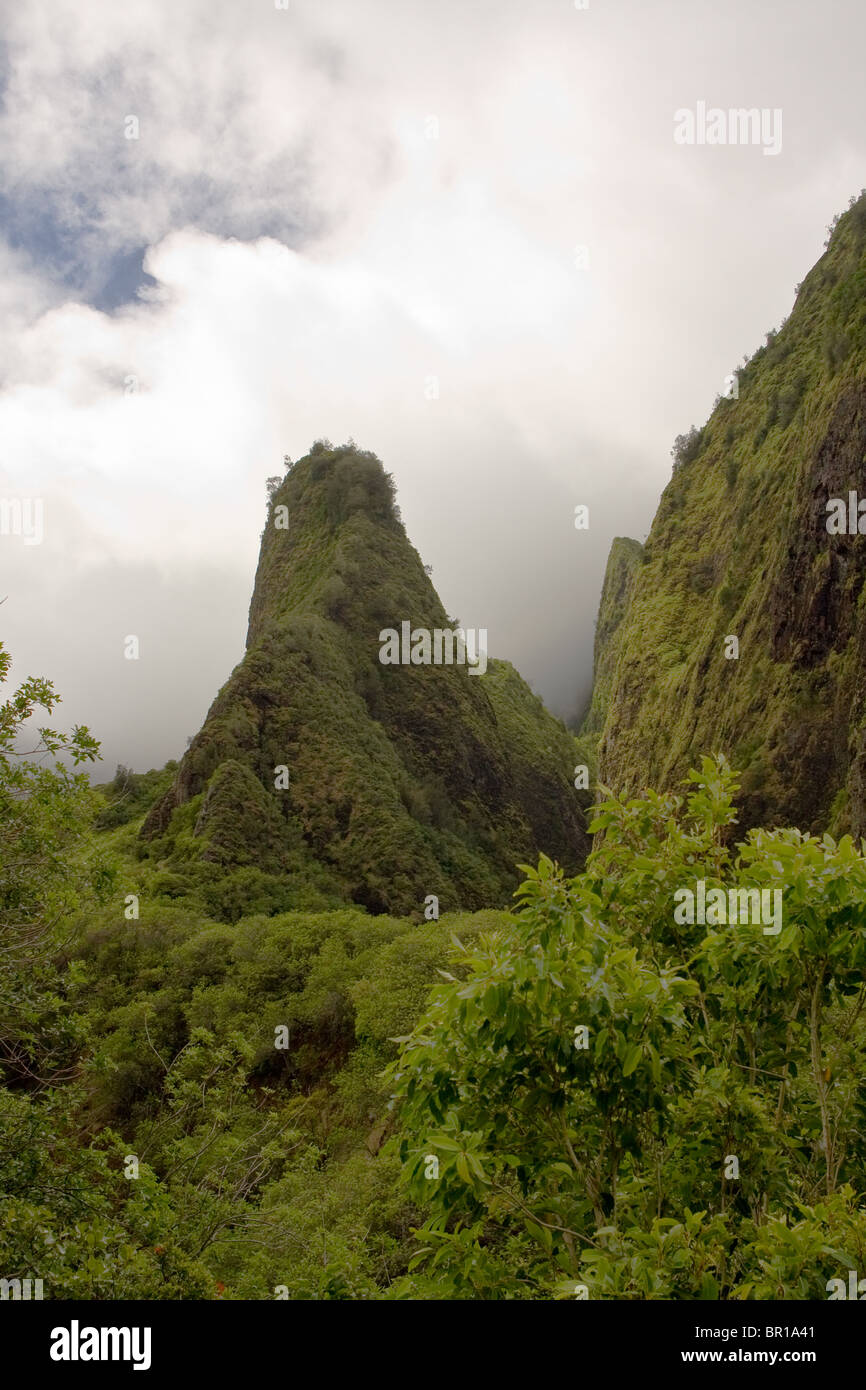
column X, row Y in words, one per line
column 392, row 257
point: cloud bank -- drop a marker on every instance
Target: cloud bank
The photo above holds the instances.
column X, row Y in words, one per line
column 462, row 235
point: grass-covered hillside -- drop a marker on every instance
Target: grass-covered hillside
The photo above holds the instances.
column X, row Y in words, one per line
column 400, row 782
column 740, row 548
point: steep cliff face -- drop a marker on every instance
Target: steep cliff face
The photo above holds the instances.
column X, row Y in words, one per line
column 403, row 780
column 740, row 548
column 623, row 564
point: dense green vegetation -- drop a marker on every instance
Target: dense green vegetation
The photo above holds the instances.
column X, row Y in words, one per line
column 242, row 1057
column 703, row 1138
column 152, row 1037
column 404, row 781
column 739, row 546
column 281, row 1107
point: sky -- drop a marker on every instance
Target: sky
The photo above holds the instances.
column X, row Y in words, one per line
column 465, row 235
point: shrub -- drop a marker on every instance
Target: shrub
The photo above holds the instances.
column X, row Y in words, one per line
column 687, row 447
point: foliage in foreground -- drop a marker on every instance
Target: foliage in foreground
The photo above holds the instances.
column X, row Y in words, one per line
column 708, row 1139
column 261, row 1172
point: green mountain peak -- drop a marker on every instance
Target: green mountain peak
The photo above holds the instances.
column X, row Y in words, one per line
column 342, row 778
